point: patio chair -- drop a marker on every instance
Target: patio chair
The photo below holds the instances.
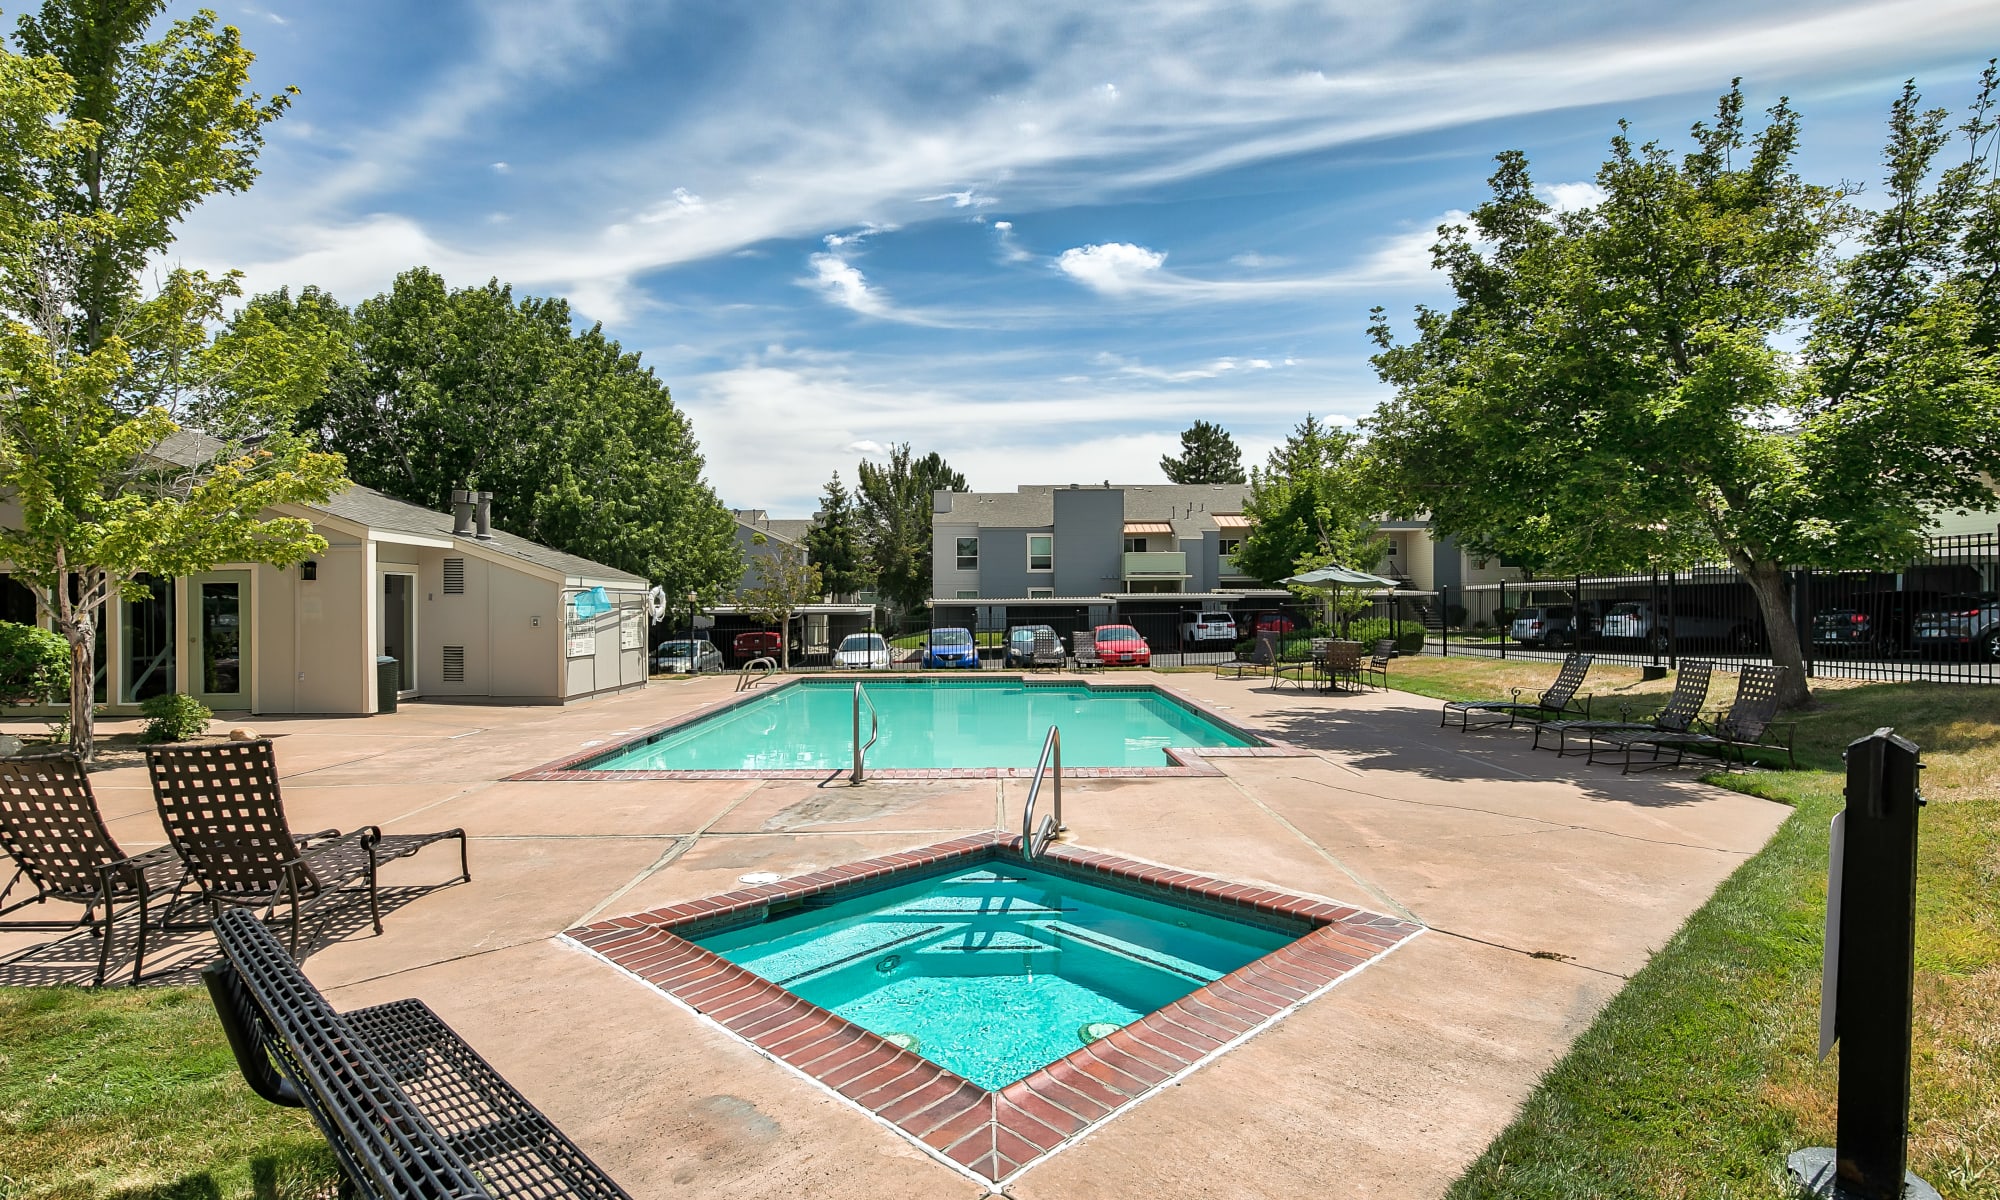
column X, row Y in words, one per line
column 1561, row 698
column 224, row 816
column 1342, row 661
column 1047, row 654
column 1083, row 650
column 1750, row 724
column 51, row 828
column 1690, row 693
column 1377, row 666
column 1309, row 668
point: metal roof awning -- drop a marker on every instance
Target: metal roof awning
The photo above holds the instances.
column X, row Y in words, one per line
column 1137, row 528
column 1231, row 521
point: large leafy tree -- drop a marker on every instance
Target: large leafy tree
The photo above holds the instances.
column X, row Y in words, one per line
column 130, row 444
column 1719, row 358
column 837, row 543
column 1310, row 505
column 781, row 583
column 1208, row 455
column 896, row 501
column 581, row 445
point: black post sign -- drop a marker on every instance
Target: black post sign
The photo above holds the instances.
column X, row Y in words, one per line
column 1871, row 948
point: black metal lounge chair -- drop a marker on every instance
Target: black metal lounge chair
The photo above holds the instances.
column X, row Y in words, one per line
column 1377, row 666
column 1047, row 651
column 408, row 1108
column 1083, row 650
column 1750, row 724
column 51, row 828
column 1561, row 698
column 1679, row 713
column 224, row 816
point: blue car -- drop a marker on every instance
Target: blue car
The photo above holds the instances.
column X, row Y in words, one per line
column 950, row 648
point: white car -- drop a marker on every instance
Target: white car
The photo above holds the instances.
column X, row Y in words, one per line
column 1208, row 627
column 862, row 652
column 683, row 658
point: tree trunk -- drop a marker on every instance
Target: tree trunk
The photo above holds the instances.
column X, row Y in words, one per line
column 1774, row 599
column 82, row 635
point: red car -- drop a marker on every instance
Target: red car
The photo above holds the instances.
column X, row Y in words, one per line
column 1275, row 623
column 1121, row 645
column 758, row 643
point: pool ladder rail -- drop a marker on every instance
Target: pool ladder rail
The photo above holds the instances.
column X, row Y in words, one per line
column 861, row 748
column 1035, row 839
column 765, row 668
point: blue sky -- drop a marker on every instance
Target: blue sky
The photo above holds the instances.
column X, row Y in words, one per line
column 1040, row 239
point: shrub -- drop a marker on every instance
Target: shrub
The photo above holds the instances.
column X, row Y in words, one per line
column 34, row 665
column 174, row 718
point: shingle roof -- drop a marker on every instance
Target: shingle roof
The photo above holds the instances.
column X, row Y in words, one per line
column 366, row 506
column 1190, row 507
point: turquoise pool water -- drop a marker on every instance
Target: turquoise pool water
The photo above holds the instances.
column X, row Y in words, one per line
column 809, row 725
column 998, row 970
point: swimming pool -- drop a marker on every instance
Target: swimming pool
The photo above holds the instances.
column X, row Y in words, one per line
column 807, row 725
column 996, row 971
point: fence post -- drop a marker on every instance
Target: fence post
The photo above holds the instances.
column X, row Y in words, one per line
column 1802, row 611
column 1653, row 626
column 1500, row 621
column 1673, row 622
column 1444, row 618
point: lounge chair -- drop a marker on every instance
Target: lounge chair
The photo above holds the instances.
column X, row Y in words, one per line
column 1690, row 693
column 224, row 816
column 1561, row 698
column 51, row 828
column 1341, row 662
column 1377, row 666
column 1750, row 724
column 1047, row 654
column 1083, row 650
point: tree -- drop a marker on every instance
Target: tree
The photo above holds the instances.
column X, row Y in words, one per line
column 896, row 503
column 1309, row 506
column 836, row 542
column 106, row 142
column 785, row 583
column 1208, row 455
column 579, row 442
column 1615, row 388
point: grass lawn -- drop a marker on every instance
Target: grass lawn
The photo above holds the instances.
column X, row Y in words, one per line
column 1700, row 1076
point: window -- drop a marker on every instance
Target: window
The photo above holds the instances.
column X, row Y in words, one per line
column 1041, row 593
column 1041, row 552
column 1232, row 545
column 968, row 554
column 968, row 593
column 1135, row 545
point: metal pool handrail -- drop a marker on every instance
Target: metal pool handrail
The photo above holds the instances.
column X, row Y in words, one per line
column 1034, row 840
column 874, row 731
column 746, row 681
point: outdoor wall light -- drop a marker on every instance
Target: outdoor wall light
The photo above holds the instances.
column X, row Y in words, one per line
column 309, row 569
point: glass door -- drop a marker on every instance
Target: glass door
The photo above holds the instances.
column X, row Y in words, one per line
column 398, row 634
column 220, row 637
column 146, row 642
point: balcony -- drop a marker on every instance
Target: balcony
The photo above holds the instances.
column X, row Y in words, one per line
column 1156, row 564
column 1226, row 566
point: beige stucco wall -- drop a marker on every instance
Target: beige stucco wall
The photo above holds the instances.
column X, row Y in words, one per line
column 303, row 634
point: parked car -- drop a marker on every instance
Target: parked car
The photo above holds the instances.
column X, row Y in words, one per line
column 1274, row 623
column 758, row 643
column 862, row 652
column 1961, row 625
column 950, row 648
column 1872, row 623
column 1121, row 645
column 685, row 657
column 1635, row 619
column 1551, row 626
column 1208, row 627
column 1021, row 644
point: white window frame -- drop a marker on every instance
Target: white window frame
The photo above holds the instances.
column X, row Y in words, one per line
column 1050, row 538
column 967, row 594
column 959, row 555
column 1047, row 593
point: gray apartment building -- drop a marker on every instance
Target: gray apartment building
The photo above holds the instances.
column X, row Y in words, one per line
column 1006, row 557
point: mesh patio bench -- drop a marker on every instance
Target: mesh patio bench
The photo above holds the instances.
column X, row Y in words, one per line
column 225, row 817
column 408, row 1108
column 1678, row 715
column 1561, row 698
column 51, row 827
column 1750, row 724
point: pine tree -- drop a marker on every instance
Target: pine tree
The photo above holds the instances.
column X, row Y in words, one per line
column 1208, row 455
column 836, row 544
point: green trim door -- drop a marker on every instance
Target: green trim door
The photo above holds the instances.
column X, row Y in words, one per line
column 219, row 639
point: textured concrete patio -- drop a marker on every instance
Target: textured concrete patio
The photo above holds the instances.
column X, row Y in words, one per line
column 1544, row 884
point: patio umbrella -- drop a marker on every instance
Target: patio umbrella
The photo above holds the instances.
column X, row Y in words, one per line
column 1333, row 577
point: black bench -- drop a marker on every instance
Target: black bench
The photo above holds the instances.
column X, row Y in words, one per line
column 409, row 1109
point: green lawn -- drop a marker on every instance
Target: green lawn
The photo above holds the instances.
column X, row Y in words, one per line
column 1700, row 1076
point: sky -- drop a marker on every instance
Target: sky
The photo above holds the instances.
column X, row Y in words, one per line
column 1040, row 239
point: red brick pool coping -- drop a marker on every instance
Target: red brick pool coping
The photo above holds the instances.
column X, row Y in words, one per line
column 993, row 1135
column 1189, row 762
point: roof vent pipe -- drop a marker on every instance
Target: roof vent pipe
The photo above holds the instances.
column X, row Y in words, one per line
column 461, row 512
column 482, row 516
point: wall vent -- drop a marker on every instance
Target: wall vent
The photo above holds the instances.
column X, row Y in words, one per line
column 454, row 664
column 454, row 577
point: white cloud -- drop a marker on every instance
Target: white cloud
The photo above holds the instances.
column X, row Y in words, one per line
column 1569, row 197
column 1215, row 369
column 965, row 199
column 501, row 168
column 681, row 203
column 1256, row 261
column 844, row 284
column 1113, row 267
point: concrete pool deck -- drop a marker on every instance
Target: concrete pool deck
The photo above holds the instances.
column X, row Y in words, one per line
column 1543, row 882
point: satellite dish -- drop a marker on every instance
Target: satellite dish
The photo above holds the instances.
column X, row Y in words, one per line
column 656, row 603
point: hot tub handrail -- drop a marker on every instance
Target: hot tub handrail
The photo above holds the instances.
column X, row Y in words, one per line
column 1033, row 839
column 745, row 681
column 874, row 731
